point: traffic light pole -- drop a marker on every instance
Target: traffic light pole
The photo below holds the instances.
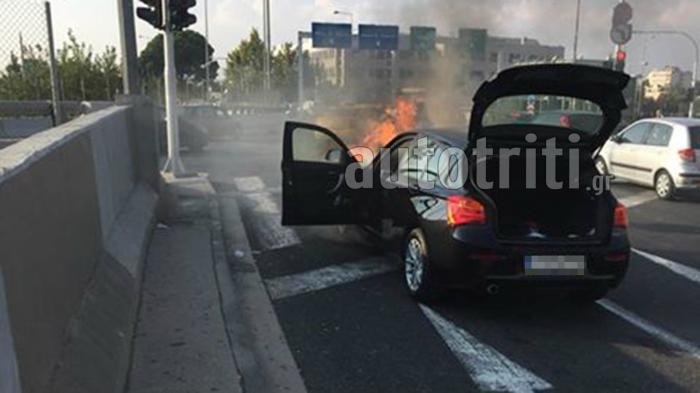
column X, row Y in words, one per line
column 693, row 83
column 300, row 67
column 174, row 164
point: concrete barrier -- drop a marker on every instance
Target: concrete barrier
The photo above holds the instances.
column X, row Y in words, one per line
column 77, row 207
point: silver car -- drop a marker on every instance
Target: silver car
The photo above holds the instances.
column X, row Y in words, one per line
column 662, row 153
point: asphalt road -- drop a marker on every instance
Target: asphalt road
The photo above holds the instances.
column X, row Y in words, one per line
column 352, row 327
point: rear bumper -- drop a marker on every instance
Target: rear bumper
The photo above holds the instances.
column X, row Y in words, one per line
column 473, row 258
column 687, row 181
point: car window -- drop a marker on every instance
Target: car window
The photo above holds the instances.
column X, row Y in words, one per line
column 660, row 135
column 637, row 134
column 399, row 155
column 694, row 137
column 409, row 163
column 433, row 170
column 545, row 110
column 314, row 146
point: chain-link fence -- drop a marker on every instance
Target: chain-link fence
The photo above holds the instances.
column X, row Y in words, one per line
column 24, row 56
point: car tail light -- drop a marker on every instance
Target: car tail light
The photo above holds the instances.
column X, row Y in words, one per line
column 621, row 220
column 687, row 155
column 463, row 210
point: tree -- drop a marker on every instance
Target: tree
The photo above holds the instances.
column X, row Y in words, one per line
column 189, row 58
column 244, row 66
column 284, row 72
column 26, row 78
column 83, row 75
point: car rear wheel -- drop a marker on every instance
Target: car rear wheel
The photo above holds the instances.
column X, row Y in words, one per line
column 417, row 268
column 665, row 189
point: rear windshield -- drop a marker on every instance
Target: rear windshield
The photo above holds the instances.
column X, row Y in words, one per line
column 695, row 137
column 545, row 110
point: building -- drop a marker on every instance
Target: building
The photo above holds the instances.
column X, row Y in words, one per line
column 374, row 75
column 661, row 81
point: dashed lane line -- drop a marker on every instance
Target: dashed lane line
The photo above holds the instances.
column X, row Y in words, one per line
column 315, row 280
column 661, row 334
column 249, row 184
column 267, row 223
column 489, row 369
column 678, row 268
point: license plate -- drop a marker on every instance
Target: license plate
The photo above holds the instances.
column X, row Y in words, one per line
column 555, row 265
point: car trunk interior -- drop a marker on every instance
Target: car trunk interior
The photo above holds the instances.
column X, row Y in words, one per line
column 543, row 214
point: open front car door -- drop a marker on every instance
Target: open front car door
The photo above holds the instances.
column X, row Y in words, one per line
column 314, row 163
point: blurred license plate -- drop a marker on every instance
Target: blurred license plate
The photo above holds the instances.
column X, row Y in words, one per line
column 555, row 265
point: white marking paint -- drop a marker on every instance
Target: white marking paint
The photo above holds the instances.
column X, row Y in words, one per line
column 264, row 203
column 638, row 199
column 267, row 225
column 678, row 268
column 658, row 332
column 9, row 372
column 249, row 184
column 271, row 234
column 327, row 277
column 488, row 368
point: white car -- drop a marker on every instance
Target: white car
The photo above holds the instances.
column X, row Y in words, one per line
column 662, row 153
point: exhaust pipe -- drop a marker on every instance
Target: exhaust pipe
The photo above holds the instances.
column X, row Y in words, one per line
column 493, row 289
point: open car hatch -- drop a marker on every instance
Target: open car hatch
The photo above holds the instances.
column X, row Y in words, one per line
column 547, row 98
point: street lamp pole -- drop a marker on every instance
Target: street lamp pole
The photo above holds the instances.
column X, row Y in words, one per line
column 206, row 50
column 578, row 26
column 343, row 67
column 266, row 33
column 693, row 83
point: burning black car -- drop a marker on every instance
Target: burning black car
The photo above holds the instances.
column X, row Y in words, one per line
column 522, row 214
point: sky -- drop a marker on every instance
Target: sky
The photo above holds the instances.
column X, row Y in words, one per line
column 549, row 21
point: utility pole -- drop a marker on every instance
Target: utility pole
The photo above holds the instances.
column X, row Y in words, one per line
column 55, row 81
column 206, row 50
column 128, row 46
column 174, row 163
column 578, row 26
column 268, row 49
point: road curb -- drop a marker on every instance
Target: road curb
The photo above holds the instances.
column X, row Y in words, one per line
column 262, row 354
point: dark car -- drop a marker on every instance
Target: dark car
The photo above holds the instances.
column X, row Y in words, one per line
column 192, row 136
column 217, row 121
column 472, row 235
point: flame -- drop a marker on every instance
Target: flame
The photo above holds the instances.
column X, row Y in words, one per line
column 395, row 121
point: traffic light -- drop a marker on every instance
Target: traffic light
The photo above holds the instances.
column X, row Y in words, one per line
column 620, row 59
column 180, row 16
column 153, row 13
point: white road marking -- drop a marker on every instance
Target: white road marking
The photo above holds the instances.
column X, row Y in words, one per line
column 316, row 280
column 268, row 220
column 249, row 184
column 488, row 368
column 658, row 332
column 264, row 203
column 638, row 199
column 678, row 268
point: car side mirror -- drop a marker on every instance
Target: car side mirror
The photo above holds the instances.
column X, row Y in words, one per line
column 334, row 156
column 616, row 139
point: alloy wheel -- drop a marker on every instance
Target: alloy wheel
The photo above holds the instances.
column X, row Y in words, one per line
column 414, row 264
column 663, row 185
